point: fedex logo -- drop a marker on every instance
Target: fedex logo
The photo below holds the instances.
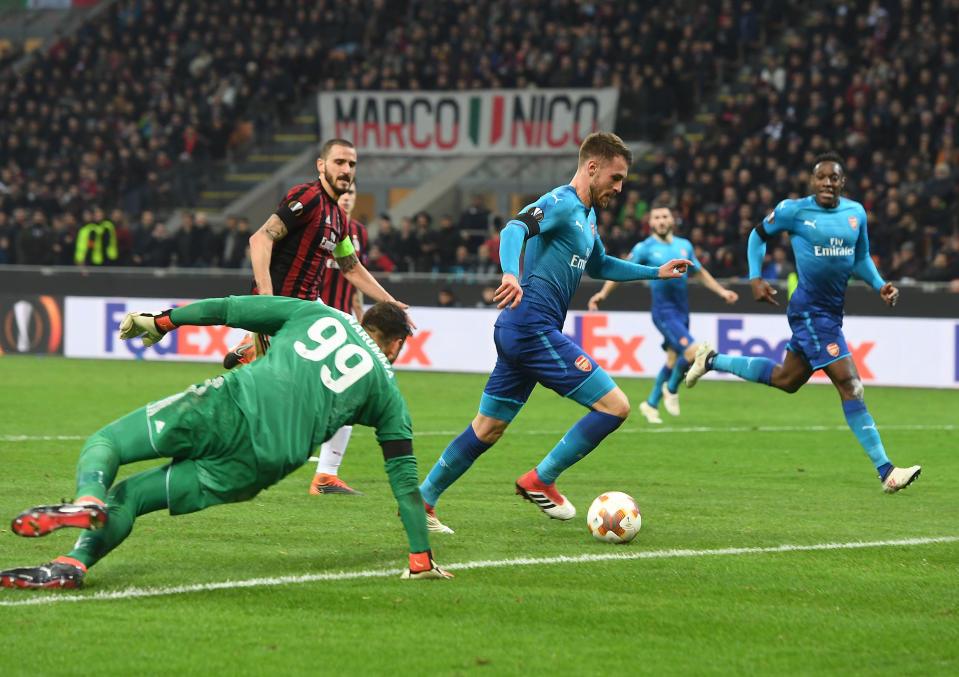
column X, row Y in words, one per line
column 729, row 342
column 186, row 341
column 591, row 334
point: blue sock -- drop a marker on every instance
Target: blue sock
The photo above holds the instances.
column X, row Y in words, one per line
column 657, row 394
column 578, row 441
column 864, row 428
column 679, row 370
column 454, row 461
column 756, row 369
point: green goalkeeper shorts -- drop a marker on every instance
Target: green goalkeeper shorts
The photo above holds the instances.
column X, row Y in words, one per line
column 208, row 438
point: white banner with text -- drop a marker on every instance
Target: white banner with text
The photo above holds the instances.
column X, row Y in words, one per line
column 887, row 351
column 475, row 122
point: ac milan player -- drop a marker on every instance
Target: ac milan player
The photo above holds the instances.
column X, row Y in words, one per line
column 338, row 292
column 290, row 251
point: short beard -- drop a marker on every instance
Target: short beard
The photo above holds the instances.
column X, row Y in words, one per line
column 331, row 182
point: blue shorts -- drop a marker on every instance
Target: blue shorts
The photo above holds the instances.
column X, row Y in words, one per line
column 817, row 338
column 675, row 331
column 547, row 357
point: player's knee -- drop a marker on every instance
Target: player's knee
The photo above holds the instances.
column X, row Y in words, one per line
column 789, row 387
column 489, row 430
column 856, row 389
column 615, row 403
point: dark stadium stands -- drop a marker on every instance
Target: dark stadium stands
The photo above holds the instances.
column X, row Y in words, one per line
column 131, row 114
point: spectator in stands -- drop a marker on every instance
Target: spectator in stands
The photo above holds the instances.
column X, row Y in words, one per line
column 232, row 242
column 141, row 239
column 162, row 247
column 206, row 244
column 35, row 242
column 124, row 237
column 379, row 261
column 447, row 239
column 445, row 298
column 634, row 206
column 427, row 258
column 484, row 265
column 486, row 297
column 185, row 242
column 474, row 221
column 96, row 241
column 906, row 265
column 407, row 247
column 941, row 269
column 386, row 236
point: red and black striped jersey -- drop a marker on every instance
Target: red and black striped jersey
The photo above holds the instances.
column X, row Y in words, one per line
column 335, row 290
column 315, row 224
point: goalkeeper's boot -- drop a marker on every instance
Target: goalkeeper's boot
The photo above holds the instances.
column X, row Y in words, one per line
column 701, row 363
column 650, row 412
column 670, row 401
column 433, row 523
column 43, row 519
column 330, row 484
column 546, row 496
column 241, row 354
column 900, row 478
column 63, row 572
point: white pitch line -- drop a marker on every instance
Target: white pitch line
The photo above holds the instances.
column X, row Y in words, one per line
column 658, row 429
column 134, row 592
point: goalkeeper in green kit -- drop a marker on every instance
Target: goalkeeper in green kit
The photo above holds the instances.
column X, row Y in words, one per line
column 237, row 434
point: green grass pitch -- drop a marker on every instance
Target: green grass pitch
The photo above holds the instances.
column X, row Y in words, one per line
column 290, row 583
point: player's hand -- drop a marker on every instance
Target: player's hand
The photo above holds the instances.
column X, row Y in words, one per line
column 889, row 294
column 763, row 291
column 729, row 296
column 595, row 300
column 423, row 566
column 404, row 306
column 509, row 293
column 151, row 326
column 674, row 268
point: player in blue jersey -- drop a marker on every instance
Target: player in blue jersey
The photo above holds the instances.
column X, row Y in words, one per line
column 829, row 240
column 670, row 308
column 559, row 231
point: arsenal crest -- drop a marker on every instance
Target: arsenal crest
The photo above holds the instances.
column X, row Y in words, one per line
column 833, row 348
column 853, row 222
column 583, row 364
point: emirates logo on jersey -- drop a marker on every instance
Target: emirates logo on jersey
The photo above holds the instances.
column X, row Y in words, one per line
column 853, row 222
column 583, row 364
column 833, row 349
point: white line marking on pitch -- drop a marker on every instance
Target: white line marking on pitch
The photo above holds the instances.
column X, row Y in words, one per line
column 133, row 593
column 620, row 431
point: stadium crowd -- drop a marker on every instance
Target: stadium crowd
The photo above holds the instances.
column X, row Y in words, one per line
column 116, row 124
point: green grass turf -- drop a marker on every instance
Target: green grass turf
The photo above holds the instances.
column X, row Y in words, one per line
column 739, row 469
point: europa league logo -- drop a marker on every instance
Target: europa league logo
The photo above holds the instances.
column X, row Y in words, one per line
column 30, row 325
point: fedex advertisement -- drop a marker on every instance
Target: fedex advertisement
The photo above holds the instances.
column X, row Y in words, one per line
column 92, row 329
column 887, row 351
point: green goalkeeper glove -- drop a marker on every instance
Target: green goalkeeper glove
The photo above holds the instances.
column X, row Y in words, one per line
column 423, row 566
column 151, row 326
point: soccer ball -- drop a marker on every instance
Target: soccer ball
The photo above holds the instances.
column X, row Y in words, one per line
column 614, row 517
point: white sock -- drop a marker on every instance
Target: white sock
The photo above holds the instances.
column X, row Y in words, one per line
column 331, row 451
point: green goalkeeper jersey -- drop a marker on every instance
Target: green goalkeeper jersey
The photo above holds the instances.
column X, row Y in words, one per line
column 322, row 371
